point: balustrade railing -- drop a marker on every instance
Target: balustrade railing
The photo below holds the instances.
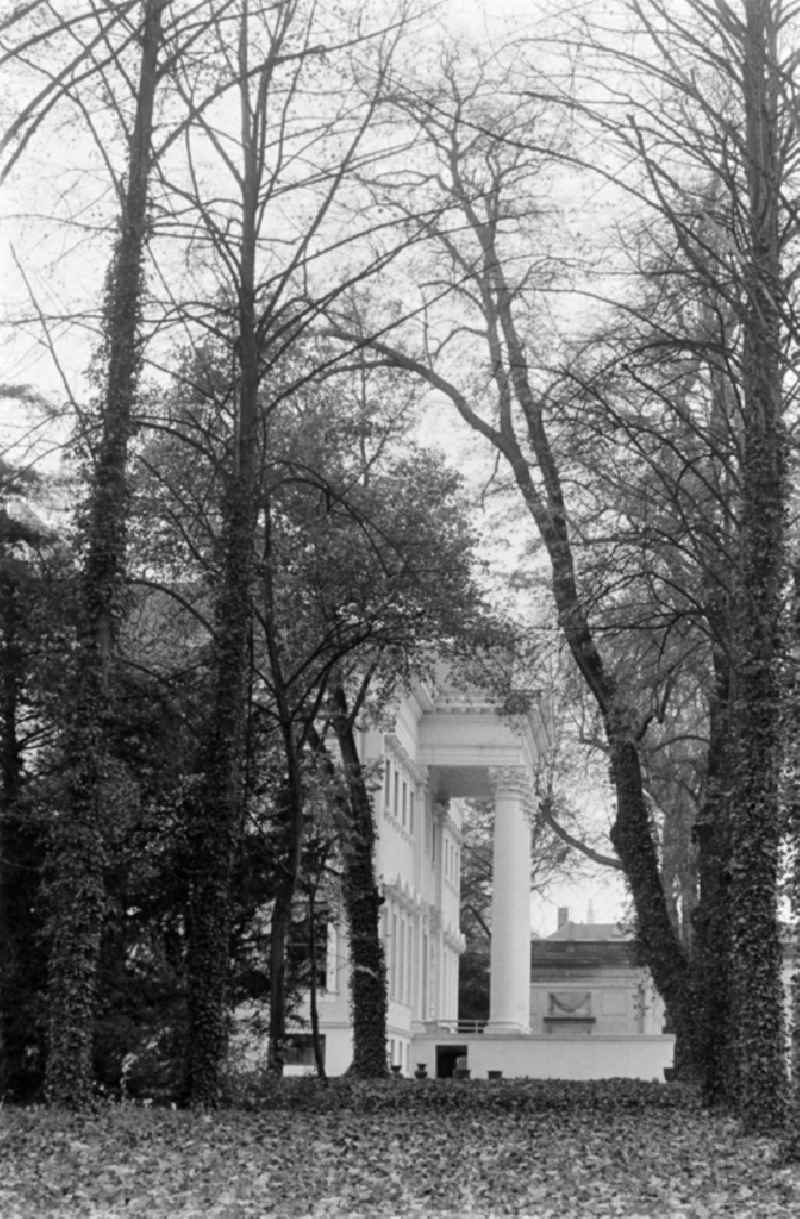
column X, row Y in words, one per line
column 464, row 1027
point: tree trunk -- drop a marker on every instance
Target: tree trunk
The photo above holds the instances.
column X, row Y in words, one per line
column 362, row 904
column 313, row 1008
column 756, row 822
column 21, row 954
column 78, row 841
column 658, row 940
column 219, row 812
column 278, row 940
column 631, row 833
column 292, row 800
column 12, row 880
column 711, row 958
column 284, row 898
column 218, row 821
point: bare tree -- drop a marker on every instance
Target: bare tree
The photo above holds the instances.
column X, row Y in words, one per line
column 716, row 163
column 481, row 163
column 269, row 231
column 515, row 426
column 78, row 840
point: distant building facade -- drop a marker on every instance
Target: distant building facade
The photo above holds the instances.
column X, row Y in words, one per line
column 585, row 981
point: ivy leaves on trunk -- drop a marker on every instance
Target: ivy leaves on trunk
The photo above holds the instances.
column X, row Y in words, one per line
column 78, row 841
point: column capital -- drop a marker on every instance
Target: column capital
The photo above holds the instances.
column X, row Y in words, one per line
column 512, row 781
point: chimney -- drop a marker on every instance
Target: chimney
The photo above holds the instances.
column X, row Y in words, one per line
column 563, row 916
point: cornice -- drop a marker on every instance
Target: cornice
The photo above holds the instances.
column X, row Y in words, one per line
column 462, row 706
column 402, row 894
column 418, row 773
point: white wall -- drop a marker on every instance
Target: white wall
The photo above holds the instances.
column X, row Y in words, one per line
column 621, row 1003
column 594, row 1057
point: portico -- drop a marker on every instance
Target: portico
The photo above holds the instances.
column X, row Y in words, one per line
column 470, row 751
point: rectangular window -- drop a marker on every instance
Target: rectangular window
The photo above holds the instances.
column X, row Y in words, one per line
column 411, row 813
column 386, row 932
column 387, row 785
column 299, row 1050
column 332, row 979
column 405, row 803
column 393, row 970
column 424, row 1000
column 396, row 794
column 300, row 945
column 407, row 969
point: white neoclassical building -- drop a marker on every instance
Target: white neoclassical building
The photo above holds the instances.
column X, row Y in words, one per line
column 444, row 747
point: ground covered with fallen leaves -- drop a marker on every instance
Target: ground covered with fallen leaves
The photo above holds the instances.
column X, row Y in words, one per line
column 399, row 1148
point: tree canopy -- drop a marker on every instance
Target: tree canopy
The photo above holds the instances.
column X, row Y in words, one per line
column 307, row 244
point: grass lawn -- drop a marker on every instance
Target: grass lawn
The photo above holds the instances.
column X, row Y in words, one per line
column 399, row 1148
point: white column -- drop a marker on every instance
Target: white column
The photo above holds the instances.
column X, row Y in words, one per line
column 509, row 1003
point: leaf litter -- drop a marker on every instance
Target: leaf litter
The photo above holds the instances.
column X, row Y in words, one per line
column 400, row 1149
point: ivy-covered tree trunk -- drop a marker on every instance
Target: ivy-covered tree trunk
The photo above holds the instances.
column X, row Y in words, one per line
column 280, row 920
column 290, row 805
column 217, row 816
column 218, row 813
column 313, row 1005
column 21, row 965
column 756, row 823
column 362, row 903
column 280, row 924
column 77, row 850
column 12, row 873
column 711, row 950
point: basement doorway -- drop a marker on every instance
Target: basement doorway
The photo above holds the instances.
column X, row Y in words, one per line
column 449, row 1059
